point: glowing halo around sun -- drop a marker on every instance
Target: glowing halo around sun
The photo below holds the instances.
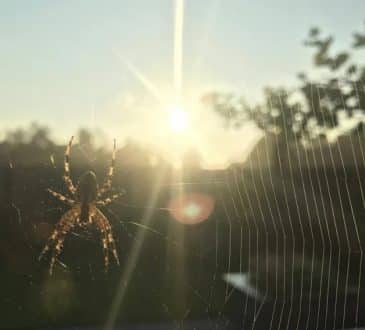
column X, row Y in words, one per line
column 178, row 119
column 191, row 208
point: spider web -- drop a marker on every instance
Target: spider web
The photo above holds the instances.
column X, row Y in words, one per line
column 317, row 254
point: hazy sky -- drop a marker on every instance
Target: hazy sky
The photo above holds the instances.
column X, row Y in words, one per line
column 63, row 63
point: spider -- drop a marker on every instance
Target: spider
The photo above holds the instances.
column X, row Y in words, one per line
column 84, row 211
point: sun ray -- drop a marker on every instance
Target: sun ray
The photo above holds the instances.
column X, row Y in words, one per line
column 132, row 260
column 178, row 48
column 142, row 78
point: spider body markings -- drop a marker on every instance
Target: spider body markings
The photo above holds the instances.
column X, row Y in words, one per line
column 84, row 211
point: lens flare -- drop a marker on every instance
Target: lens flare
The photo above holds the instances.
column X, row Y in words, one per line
column 191, row 208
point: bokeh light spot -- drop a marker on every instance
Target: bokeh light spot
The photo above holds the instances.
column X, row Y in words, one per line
column 191, row 208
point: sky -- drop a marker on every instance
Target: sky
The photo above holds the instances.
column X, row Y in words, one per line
column 71, row 64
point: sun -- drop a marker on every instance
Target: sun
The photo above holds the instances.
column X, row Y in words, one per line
column 178, row 119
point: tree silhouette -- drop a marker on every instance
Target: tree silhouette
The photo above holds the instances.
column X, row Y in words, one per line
column 39, row 136
column 343, row 90
column 86, row 139
column 35, row 135
column 321, row 100
column 17, row 136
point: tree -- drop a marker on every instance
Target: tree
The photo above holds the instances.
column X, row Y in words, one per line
column 17, row 136
column 39, row 136
column 342, row 90
column 85, row 138
column 35, row 135
column 277, row 114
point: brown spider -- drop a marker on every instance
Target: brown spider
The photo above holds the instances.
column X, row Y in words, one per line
column 84, row 211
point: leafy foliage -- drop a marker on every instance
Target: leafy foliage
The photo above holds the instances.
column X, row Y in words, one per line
column 320, row 100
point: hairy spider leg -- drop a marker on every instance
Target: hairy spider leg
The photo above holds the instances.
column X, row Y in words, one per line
column 104, row 241
column 108, row 200
column 103, row 222
column 66, row 223
column 66, row 176
column 108, row 180
column 61, row 197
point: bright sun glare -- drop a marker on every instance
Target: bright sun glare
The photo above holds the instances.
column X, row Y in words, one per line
column 178, row 119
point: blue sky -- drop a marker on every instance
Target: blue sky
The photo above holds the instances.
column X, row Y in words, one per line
column 63, row 62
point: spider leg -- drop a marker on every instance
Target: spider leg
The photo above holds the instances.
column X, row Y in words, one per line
column 66, row 176
column 108, row 200
column 108, row 180
column 61, row 197
column 55, row 241
column 103, row 222
column 104, row 243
